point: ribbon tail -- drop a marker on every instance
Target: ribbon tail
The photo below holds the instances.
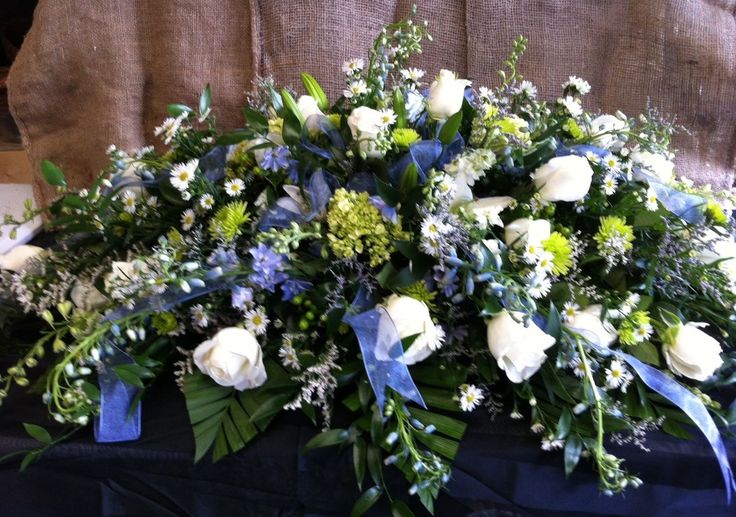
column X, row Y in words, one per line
column 383, row 355
column 692, row 407
column 116, row 421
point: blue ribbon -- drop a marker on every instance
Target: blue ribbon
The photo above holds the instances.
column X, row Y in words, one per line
column 324, row 126
column 286, row 210
column 383, row 354
column 691, row 405
column 115, row 421
column 684, row 205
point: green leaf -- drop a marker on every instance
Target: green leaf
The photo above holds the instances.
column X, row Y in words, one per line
column 52, row 174
column 128, row 376
column 554, row 324
column 376, row 425
column 73, row 201
column 366, row 501
column 400, row 509
column 38, row 433
column 675, row 430
column 450, row 128
column 360, row 449
column 646, row 352
column 410, row 178
column 563, row 424
column 256, row 120
column 573, row 449
column 399, row 108
column 446, row 425
column 291, row 107
column 387, row 192
column 315, row 90
column 291, row 131
column 439, row 399
column 28, row 459
column 176, row 110
column 205, row 102
column 327, row 439
column 270, row 408
column 234, row 137
column 374, row 459
column 440, row 445
column 92, row 391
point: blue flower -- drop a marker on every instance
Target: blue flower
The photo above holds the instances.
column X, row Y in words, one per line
column 446, row 280
column 267, row 267
column 294, row 286
column 275, row 159
column 241, row 296
column 224, row 258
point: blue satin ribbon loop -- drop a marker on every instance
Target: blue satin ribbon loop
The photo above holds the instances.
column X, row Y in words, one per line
column 382, row 351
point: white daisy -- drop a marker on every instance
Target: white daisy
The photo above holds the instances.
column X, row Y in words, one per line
column 352, row 66
column 170, row 127
column 355, row 88
column 199, row 316
column 436, row 341
column 289, row 357
column 470, row 397
column 528, row 89
column 207, row 201
column 617, row 376
column 578, row 368
column 569, row 311
column 128, row 200
column 152, row 202
column 412, row 74
column 183, row 173
column 651, row 203
column 387, row 118
column 532, row 253
column 609, row 185
column 256, row 321
column 572, row 105
column 433, row 227
column 628, row 305
column 592, row 157
column 545, row 263
column 234, row 188
column 187, row 219
column 643, row 333
column 538, row 286
column 580, row 85
column 611, row 162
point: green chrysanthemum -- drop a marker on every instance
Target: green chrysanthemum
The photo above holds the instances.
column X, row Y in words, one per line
column 614, row 239
column 226, row 223
column 404, row 136
column 635, row 329
column 559, row 246
column 714, row 211
column 164, row 323
column 356, row 226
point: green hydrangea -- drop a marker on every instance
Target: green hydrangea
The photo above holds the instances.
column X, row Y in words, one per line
column 559, row 246
column 356, row 226
column 164, row 323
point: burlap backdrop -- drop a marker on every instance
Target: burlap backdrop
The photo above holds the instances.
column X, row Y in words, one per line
column 95, row 72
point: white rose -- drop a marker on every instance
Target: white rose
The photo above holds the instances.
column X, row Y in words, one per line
column 523, row 232
column 655, row 164
column 519, row 350
column 365, row 125
column 232, row 357
column 564, row 178
column 600, row 129
column 588, row 324
column 487, row 210
column 693, row 353
column 719, row 248
column 411, row 317
column 17, row 258
column 446, row 95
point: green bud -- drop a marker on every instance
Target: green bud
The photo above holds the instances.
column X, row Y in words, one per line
column 48, row 317
column 21, row 381
column 303, row 324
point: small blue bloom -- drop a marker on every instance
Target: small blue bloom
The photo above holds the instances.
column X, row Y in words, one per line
column 225, row 258
column 294, row 286
column 267, row 267
column 388, row 212
column 293, row 172
column 446, row 280
column 275, row 159
column 241, row 296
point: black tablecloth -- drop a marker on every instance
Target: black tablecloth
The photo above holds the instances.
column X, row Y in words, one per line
column 500, row 470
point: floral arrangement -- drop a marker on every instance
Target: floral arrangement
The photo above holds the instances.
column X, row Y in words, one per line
column 467, row 248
